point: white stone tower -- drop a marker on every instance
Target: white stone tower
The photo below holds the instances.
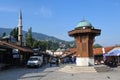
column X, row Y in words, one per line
column 20, row 29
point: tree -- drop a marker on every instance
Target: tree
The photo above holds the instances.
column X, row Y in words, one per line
column 28, row 38
column 42, row 45
column 35, row 44
column 97, row 46
column 4, row 34
column 14, row 33
column 52, row 45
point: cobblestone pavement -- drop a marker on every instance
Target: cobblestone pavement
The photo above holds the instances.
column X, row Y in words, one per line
column 64, row 72
column 23, row 73
column 103, row 74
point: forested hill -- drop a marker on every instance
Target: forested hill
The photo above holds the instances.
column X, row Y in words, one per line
column 38, row 36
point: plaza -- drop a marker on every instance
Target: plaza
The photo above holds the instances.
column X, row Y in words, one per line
column 63, row 72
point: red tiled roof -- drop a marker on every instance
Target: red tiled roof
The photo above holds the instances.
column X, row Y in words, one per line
column 73, row 50
column 96, row 51
column 107, row 49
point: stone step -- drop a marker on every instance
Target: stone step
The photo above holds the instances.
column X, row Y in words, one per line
column 103, row 69
column 76, row 69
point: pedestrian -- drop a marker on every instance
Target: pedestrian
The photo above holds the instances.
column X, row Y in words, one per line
column 50, row 62
column 74, row 59
column 57, row 61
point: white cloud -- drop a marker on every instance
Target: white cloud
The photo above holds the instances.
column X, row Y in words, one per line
column 7, row 9
column 44, row 11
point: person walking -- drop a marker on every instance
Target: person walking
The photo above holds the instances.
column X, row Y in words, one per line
column 57, row 61
column 50, row 61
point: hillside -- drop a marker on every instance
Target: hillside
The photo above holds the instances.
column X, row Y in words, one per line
column 38, row 36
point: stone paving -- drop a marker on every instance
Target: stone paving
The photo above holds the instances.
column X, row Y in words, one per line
column 77, row 69
column 71, row 72
column 63, row 72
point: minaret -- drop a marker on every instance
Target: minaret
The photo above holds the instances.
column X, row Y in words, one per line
column 20, row 29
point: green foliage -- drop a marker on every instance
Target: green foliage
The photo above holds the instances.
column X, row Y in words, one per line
column 97, row 46
column 28, row 38
column 33, row 43
column 43, row 44
column 3, row 34
column 42, row 37
column 40, row 44
column 14, row 33
column 52, row 45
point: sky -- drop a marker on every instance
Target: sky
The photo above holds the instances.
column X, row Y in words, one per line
column 57, row 17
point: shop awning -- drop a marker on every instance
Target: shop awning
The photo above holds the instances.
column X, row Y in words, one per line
column 11, row 45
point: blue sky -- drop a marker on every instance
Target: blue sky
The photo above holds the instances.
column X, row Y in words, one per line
column 57, row 17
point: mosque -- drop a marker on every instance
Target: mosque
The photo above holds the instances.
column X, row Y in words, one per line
column 14, row 52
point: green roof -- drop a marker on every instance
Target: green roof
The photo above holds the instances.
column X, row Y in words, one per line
column 84, row 23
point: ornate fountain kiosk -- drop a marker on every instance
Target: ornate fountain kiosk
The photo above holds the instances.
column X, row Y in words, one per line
column 84, row 35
